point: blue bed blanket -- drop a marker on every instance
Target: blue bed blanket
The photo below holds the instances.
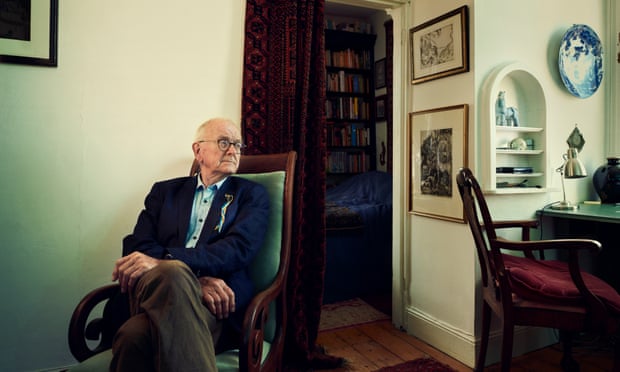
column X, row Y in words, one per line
column 365, row 199
column 359, row 237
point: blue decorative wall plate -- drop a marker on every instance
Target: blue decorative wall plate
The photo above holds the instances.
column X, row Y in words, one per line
column 581, row 61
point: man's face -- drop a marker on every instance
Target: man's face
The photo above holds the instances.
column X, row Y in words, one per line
column 212, row 159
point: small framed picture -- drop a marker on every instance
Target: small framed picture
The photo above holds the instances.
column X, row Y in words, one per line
column 380, row 107
column 438, row 147
column 380, row 74
column 439, row 47
column 29, row 32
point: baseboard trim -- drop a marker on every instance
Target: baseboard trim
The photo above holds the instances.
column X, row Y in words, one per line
column 463, row 345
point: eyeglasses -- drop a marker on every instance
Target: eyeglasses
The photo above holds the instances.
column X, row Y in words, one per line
column 224, row 144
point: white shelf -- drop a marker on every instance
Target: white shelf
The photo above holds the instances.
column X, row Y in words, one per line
column 521, row 129
column 514, row 190
column 518, row 175
column 523, row 91
column 518, row 152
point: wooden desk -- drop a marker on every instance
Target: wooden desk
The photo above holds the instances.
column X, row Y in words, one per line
column 591, row 221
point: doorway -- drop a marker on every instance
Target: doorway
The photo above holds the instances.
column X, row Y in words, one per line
column 350, row 271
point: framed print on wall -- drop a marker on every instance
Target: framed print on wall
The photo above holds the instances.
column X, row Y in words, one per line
column 29, row 32
column 439, row 47
column 380, row 74
column 438, row 147
column 380, row 107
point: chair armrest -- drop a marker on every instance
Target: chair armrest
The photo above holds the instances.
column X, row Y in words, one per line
column 525, row 226
column 532, row 224
column 558, row 244
column 80, row 331
column 256, row 317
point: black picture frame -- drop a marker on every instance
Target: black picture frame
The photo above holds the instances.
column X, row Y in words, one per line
column 380, row 107
column 29, row 52
column 428, row 60
column 380, row 75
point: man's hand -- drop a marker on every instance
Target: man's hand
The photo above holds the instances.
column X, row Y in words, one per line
column 218, row 296
column 128, row 269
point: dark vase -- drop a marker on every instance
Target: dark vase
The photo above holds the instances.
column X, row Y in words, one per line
column 606, row 181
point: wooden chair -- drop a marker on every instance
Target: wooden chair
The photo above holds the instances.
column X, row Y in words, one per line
column 262, row 342
column 528, row 291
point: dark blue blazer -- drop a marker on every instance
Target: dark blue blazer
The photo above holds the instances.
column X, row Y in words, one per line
column 224, row 252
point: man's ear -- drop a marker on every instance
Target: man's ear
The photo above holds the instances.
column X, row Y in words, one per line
column 195, row 148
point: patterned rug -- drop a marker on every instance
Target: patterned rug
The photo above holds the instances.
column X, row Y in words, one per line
column 419, row 365
column 348, row 313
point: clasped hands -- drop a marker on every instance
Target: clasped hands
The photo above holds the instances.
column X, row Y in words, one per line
column 216, row 294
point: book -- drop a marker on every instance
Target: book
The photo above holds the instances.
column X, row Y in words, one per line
column 519, row 170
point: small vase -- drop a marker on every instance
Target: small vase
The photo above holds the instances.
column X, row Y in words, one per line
column 606, row 180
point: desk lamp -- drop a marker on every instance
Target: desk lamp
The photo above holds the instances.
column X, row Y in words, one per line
column 571, row 168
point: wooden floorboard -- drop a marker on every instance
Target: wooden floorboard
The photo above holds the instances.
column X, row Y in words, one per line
column 371, row 346
column 393, row 342
column 592, row 357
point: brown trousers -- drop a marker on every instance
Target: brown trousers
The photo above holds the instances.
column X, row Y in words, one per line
column 170, row 329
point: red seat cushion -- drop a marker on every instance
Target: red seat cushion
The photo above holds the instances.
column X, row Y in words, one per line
column 550, row 282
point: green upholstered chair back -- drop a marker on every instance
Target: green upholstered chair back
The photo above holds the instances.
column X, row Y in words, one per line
column 270, row 268
column 266, row 316
column 267, row 262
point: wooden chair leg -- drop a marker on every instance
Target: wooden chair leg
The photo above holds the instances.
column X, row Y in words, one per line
column 486, row 327
column 568, row 363
column 507, row 340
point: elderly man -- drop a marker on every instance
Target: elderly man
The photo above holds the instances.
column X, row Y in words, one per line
column 184, row 267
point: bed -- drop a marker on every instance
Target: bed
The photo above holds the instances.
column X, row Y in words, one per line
column 359, row 237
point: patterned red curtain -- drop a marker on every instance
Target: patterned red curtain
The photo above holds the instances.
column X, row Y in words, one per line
column 283, row 109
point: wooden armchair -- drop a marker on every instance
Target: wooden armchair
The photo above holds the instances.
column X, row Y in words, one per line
column 262, row 342
column 528, row 291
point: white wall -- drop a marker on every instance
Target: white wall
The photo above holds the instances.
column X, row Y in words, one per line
column 613, row 45
column 81, row 144
column 442, row 262
column 441, row 275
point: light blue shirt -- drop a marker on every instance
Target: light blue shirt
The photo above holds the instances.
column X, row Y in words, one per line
column 203, row 197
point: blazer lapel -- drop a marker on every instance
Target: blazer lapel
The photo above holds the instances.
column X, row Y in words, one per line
column 214, row 215
column 184, row 208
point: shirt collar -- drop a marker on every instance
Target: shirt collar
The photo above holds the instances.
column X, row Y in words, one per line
column 200, row 184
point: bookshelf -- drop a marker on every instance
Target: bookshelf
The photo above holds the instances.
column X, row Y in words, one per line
column 350, row 105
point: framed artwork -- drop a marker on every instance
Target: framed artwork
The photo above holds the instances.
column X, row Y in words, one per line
column 438, row 147
column 380, row 74
column 439, row 47
column 29, row 32
column 380, row 107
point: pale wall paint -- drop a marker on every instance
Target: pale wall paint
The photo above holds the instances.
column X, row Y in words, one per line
column 81, row 144
column 613, row 48
column 436, row 285
column 442, row 284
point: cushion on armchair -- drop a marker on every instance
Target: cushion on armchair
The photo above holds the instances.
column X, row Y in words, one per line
column 550, row 281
